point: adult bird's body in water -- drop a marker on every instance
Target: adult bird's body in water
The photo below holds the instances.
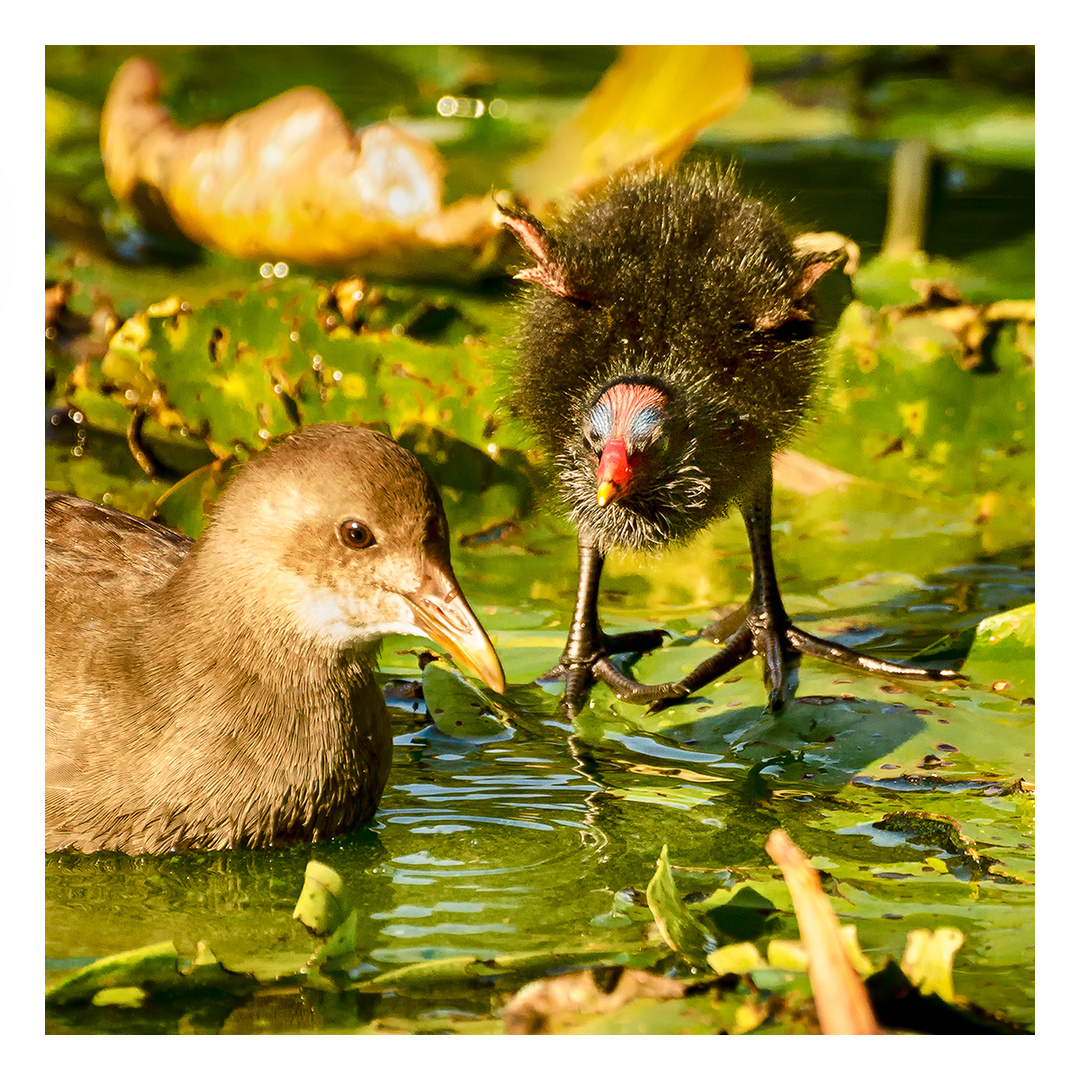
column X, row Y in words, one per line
column 222, row 692
column 666, row 352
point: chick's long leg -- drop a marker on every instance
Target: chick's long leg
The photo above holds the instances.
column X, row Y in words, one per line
column 587, row 646
column 774, row 633
column 766, row 631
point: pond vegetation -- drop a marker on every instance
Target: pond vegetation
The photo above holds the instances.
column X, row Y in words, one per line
column 513, row 843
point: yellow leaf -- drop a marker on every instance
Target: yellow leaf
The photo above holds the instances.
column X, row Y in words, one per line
column 928, row 960
column 736, row 959
column 651, row 103
column 288, row 179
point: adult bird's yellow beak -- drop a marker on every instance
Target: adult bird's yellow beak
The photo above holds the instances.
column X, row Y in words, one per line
column 444, row 615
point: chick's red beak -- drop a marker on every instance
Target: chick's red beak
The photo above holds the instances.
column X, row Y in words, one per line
column 614, row 474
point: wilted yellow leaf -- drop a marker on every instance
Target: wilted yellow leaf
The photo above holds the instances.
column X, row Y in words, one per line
column 651, row 103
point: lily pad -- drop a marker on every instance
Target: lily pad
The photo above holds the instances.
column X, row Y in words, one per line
column 1003, row 652
column 458, row 708
column 129, row 977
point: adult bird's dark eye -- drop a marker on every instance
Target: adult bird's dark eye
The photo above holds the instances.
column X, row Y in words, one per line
column 356, row 534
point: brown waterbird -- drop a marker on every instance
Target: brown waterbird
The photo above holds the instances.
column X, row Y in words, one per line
column 222, row 692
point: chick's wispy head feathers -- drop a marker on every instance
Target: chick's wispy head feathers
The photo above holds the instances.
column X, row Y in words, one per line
column 679, row 281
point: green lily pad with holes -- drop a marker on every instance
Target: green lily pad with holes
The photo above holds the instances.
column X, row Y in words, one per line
column 458, row 708
column 903, row 411
column 242, row 368
column 1003, row 652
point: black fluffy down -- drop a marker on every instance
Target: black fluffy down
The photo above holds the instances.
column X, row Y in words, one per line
column 679, row 278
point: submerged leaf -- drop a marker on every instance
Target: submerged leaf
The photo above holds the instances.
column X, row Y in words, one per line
column 552, row 1005
column 942, row 833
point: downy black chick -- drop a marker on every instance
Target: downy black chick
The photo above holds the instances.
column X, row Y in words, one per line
column 667, row 351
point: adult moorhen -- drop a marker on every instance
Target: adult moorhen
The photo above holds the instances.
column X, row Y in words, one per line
column 222, row 693
column 666, row 351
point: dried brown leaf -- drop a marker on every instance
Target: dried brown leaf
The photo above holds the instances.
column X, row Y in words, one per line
column 551, row 1005
column 288, row 180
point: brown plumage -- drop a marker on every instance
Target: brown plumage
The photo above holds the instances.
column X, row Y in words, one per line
column 222, row 693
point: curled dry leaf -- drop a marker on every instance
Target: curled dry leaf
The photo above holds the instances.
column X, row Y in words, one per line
column 289, row 180
column 973, row 324
column 842, row 1003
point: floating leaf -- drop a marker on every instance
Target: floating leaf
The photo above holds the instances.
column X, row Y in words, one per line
column 253, row 365
column 457, row 707
column 928, row 960
column 742, row 913
column 156, row 964
column 651, row 103
column 680, row 927
column 324, row 902
column 421, row 976
column 735, row 959
column 128, row 978
column 922, row 405
column 1003, row 652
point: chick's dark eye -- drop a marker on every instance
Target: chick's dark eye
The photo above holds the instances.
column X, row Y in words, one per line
column 355, row 534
